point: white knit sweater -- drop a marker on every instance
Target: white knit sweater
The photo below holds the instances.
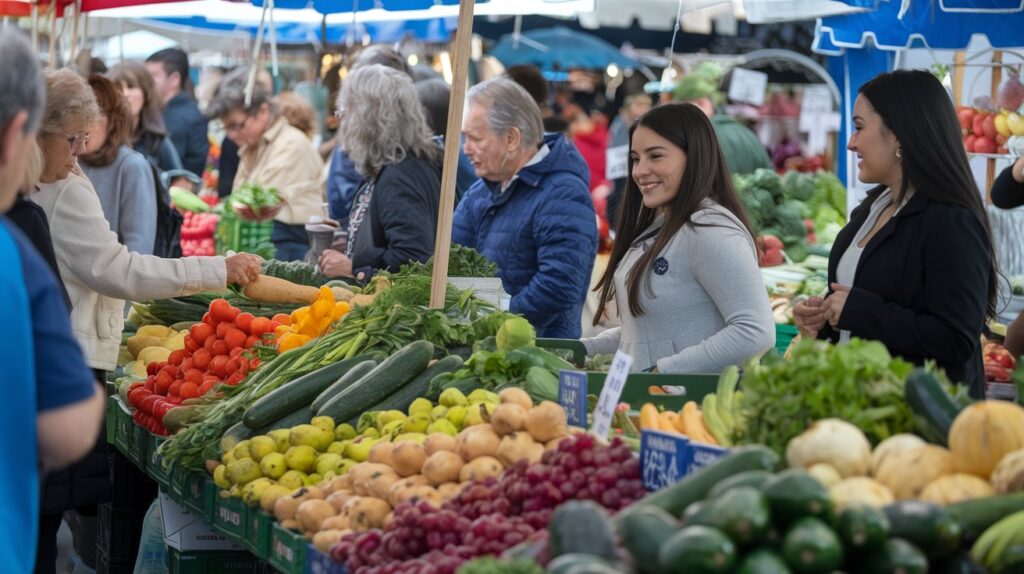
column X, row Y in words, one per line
column 100, row 273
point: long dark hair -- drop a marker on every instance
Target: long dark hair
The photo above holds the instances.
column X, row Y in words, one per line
column 916, row 108
column 135, row 75
column 119, row 120
column 706, row 177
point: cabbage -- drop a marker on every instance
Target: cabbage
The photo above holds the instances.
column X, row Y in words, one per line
column 515, row 332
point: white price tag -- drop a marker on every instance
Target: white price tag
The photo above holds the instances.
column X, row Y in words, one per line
column 616, row 162
column 610, row 394
column 748, row 86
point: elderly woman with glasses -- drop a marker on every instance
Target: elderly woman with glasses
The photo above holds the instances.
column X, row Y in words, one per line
column 274, row 154
column 384, row 130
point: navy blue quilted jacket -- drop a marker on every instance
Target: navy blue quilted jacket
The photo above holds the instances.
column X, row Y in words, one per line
column 542, row 235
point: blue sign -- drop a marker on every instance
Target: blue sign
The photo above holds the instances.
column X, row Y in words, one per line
column 702, row 455
column 319, row 563
column 664, row 458
column 572, row 395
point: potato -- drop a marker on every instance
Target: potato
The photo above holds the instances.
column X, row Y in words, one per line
column 407, row 458
column 395, row 493
column 442, row 466
column 439, row 441
column 337, row 522
column 477, row 441
column 312, row 512
column 368, row 512
column 338, row 498
column 481, row 467
column 508, row 418
column 326, row 539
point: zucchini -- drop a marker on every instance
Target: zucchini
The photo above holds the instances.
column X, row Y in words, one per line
column 575, row 563
column 697, row 549
column 896, row 555
column 581, row 526
column 299, row 416
column 643, row 533
column 862, row 527
column 416, row 388
column 794, row 494
column 234, row 435
column 675, row 498
column 297, row 393
column 354, row 374
column 386, row 378
column 743, row 515
column 762, row 561
column 976, row 516
column 811, row 546
column 755, row 478
column 933, row 408
column 927, row 526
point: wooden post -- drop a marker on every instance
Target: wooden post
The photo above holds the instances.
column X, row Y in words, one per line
column 442, row 243
column 990, row 163
column 959, row 60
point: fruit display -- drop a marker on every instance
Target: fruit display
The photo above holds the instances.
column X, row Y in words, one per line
column 713, row 422
column 312, row 321
column 999, row 363
column 992, row 131
column 151, row 343
column 197, row 230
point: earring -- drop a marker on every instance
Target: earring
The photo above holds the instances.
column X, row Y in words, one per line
column 899, row 153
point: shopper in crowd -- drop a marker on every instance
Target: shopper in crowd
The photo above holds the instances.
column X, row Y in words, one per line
column 434, row 94
column 186, row 126
column 298, row 111
column 633, row 106
column 149, row 136
column 684, row 249
column 1008, row 193
column 343, row 179
column 99, row 272
column 914, row 268
column 743, row 152
column 531, row 212
column 273, row 154
column 394, row 216
column 121, row 176
column 53, row 407
column 533, row 81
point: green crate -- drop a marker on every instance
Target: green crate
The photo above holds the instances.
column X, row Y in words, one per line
column 210, row 562
column 190, row 488
column 288, row 550
column 236, row 234
column 211, row 494
column 784, row 335
column 636, row 391
column 137, row 444
column 579, row 352
column 258, row 527
column 154, row 466
column 116, row 422
column 229, row 516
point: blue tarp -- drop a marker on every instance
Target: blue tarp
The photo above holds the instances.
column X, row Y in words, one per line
column 343, row 6
column 561, row 48
column 435, row 30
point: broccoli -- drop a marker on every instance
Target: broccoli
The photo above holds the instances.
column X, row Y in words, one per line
column 797, row 251
column 796, row 185
column 767, row 179
column 790, row 222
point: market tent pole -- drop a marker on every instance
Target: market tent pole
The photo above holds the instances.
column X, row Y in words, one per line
column 463, row 34
column 53, row 34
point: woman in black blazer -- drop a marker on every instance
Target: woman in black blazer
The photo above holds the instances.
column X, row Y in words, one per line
column 914, row 268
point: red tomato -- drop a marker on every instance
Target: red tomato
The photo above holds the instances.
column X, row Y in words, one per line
column 137, row 417
column 176, row 357
column 174, row 399
column 243, row 365
column 205, row 388
column 171, row 370
column 150, row 384
column 235, row 352
column 201, row 360
column 194, row 376
column 282, row 318
column 175, row 389
column 217, row 364
column 251, row 341
column 209, row 320
column 244, row 322
column 210, row 378
column 189, row 391
column 223, row 328
column 200, row 332
column 274, row 325
column 160, row 366
column 235, row 339
column 161, row 407
column 234, row 379
column 208, row 343
column 259, row 326
column 151, row 369
column 148, row 403
column 136, row 395
column 191, row 345
column 163, row 382
column 229, row 368
column 222, row 310
column 253, row 363
column 220, row 348
column 186, row 365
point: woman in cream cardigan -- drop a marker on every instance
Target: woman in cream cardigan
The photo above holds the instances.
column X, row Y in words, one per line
column 683, row 272
column 100, row 273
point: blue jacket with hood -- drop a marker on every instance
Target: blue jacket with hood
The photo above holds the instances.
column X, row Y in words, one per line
column 541, row 233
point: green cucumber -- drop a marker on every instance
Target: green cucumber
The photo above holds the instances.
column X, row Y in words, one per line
column 699, row 512
column 390, row 375
column 235, row 434
column 976, row 516
column 895, row 555
column 297, row 393
column 862, row 526
column 643, row 532
column 927, row 526
column 742, row 514
column 675, row 498
column 933, row 408
column 354, row 374
column 811, row 546
column 697, row 550
column 581, row 526
column 578, row 562
column 299, row 416
column 794, row 494
column 762, row 561
column 755, row 478
column 416, row 388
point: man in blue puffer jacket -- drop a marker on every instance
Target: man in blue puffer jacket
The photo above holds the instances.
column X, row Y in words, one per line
column 531, row 212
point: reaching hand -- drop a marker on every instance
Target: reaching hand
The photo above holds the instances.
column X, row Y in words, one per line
column 335, row 264
column 243, row 268
column 834, row 303
column 809, row 316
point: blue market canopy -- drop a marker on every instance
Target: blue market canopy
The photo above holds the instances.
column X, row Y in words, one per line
column 346, row 6
column 936, row 24
column 293, row 33
column 559, row 47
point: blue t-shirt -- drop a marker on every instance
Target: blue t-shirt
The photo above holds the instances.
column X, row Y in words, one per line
column 44, row 369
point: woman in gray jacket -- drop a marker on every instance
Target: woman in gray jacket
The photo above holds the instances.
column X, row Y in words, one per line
column 684, row 270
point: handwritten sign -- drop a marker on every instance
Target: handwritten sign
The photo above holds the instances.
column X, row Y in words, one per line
column 610, row 394
column 702, row 455
column 616, row 162
column 747, row 86
column 572, row 395
column 664, row 458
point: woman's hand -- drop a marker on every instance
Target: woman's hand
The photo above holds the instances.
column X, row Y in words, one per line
column 809, row 316
column 335, row 264
column 834, row 303
column 243, row 268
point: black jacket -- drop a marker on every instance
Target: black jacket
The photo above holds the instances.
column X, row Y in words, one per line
column 921, row 286
column 402, row 218
column 186, row 128
column 31, row 219
column 1007, row 193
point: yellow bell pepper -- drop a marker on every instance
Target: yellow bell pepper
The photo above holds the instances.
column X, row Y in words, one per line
column 341, row 309
column 291, row 341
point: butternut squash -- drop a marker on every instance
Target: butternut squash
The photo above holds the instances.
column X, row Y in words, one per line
column 267, row 289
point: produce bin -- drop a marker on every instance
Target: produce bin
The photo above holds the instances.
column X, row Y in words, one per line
column 154, row 468
column 189, row 490
column 288, row 550
column 116, row 423
column 258, row 527
column 784, row 335
column 229, row 516
column 237, row 234
column 137, row 444
column 210, row 562
column 637, row 389
column 320, row 563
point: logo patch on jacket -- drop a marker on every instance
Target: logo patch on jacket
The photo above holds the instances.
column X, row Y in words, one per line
column 661, row 266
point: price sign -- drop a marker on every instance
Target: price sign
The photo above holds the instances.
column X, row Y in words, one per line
column 747, row 86
column 572, row 395
column 616, row 162
column 610, row 394
column 702, row 455
column 664, row 458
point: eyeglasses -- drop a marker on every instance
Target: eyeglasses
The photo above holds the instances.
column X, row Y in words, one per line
column 237, row 127
column 76, row 141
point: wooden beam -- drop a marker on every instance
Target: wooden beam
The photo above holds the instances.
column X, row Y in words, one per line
column 959, row 60
column 452, row 139
column 990, row 163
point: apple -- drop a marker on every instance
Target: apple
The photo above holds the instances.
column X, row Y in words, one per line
column 989, row 127
column 978, row 123
column 966, row 116
column 984, row 145
column 969, row 142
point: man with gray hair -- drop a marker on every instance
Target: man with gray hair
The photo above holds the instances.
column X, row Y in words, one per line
column 531, row 212
column 52, row 409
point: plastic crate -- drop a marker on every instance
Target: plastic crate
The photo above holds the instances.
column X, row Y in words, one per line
column 133, row 490
column 136, row 444
column 229, row 516
column 784, row 335
column 105, row 564
column 288, row 550
column 237, row 234
column 320, row 563
column 189, row 490
column 117, row 530
column 119, row 424
column 210, row 562
column 258, row 527
column 154, row 466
